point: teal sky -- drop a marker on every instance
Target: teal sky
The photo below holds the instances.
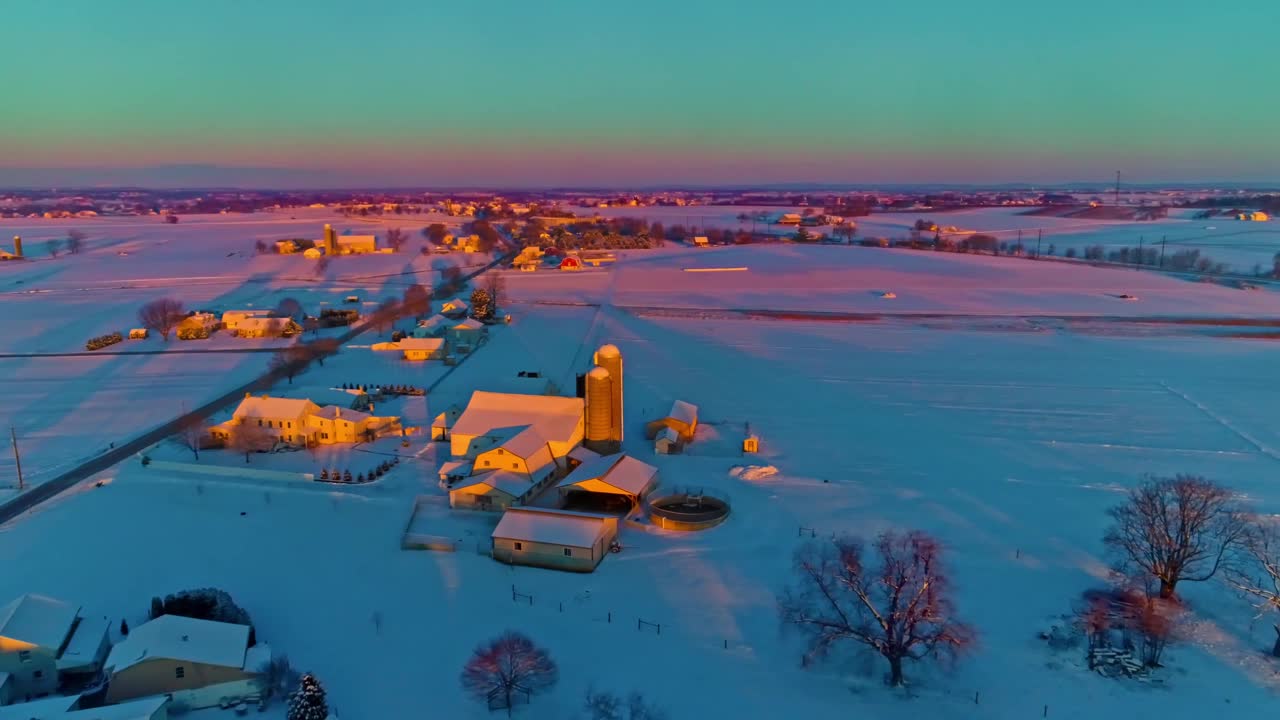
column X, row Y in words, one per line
column 569, row 92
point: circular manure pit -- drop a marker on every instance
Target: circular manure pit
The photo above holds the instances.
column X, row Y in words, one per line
column 688, row 512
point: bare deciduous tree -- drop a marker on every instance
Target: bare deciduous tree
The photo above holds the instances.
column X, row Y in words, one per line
column 191, row 431
column 278, row 676
column 1176, row 529
column 249, row 438
column 900, row 606
column 75, row 242
column 506, row 667
column 1258, row 577
column 417, row 300
column 396, row 238
column 497, row 288
column 161, row 315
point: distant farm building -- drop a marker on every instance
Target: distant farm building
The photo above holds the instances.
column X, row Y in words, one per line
column 529, row 259
column 571, row 262
column 667, row 442
column 455, row 308
column 468, row 334
column 790, row 219
column 302, row 422
column 683, row 420
column 554, row 539
column 489, row 417
column 433, row 326
column 701, row 241
column 357, row 244
column 423, row 348
column 287, row 247
column 138, row 334
column 596, row 258
column 1254, row 216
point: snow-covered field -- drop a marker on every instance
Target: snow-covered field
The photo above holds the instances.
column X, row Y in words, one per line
column 1009, row 446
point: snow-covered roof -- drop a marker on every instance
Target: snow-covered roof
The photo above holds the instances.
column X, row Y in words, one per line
column 512, row 483
column 324, row 395
column 266, row 323
column 469, row 324
column 143, row 709
column 525, row 443
column 556, row 418
column 356, row 239
column 454, row 305
column 39, row 620
column 553, row 527
column 256, row 658
column 669, row 434
column 582, row 454
column 82, row 649
column 182, row 638
column 434, row 321
column 684, row 412
column 50, row 707
column 330, row 412
column 417, row 343
column 623, row 472
column 266, row 406
column 456, row 467
column 244, row 314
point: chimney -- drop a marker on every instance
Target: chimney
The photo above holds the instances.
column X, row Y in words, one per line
column 17, row 245
column 248, row 395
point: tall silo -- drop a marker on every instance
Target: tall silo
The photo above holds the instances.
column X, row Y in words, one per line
column 599, row 409
column 610, row 358
column 17, row 245
column 330, row 240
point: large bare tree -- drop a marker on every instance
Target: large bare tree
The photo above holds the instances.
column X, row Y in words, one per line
column 417, row 300
column 396, row 238
column 893, row 597
column 1258, row 575
column 506, row 667
column 161, row 315
column 75, row 242
column 1176, row 529
column 250, row 438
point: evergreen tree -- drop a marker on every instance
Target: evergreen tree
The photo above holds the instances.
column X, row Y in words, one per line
column 307, row 702
column 157, row 608
column 481, row 304
column 124, row 627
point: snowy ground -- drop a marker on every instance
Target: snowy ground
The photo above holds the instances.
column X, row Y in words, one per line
column 1009, row 446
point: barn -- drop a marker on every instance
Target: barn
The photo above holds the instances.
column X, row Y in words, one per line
column 571, row 262
column 683, row 419
column 613, row 483
column 556, row 539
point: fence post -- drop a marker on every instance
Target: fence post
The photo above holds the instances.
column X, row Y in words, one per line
column 975, row 697
column 609, row 617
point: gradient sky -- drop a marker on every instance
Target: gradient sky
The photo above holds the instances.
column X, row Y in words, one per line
column 568, row 92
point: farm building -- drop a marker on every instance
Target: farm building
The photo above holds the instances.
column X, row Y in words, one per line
column 261, row 327
column 356, row 244
column 442, row 425
column 455, row 308
column 489, row 417
column 701, row 241
column 455, row 471
column 609, row 481
column 197, row 663
column 790, row 219
column 138, row 334
column 667, row 442
column 494, row 490
column 287, row 247
column 1255, row 216
column 467, row 334
column 423, row 348
column 529, row 259
column 340, row 397
column 596, row 258
column 571, row 262
column 555, row 539
column 44, row 640
column 301, row 421
column 683, row 419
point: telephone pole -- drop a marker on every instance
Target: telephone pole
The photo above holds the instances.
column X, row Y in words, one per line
column 1162, row 239
column 17, row 460
column 1117, row 187
column 1039, row 237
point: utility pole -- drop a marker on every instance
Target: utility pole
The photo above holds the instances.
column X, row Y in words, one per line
column 1117, row 187
column 17, row 460
column 1039, row 237
column 1162, row 239
column 1018, row 249
column 1141, row 240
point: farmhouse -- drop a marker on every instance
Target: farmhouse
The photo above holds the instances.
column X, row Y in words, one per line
column 199, row 321
column 44, row 641
column 433, row 326
column 555, row 539
column 197, row 663
column 301, row 421
column 261, row 327
column 604, row 481
column 490, row 417
column 423, row 348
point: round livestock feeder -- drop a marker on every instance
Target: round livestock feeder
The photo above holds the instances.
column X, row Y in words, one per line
column 688, row 511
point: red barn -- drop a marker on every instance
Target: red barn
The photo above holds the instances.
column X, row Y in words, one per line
column 571, row 263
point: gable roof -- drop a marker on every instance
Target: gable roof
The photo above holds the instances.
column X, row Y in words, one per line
column 142, row 709
column 50, row 707
column 469, row 324
column 512, row 483
column 331, row 412
column 324, row 395
column 554, row 527
column 557, row 418
column 265, row 406
column 37, row 619
column 525, row 443
column 182, row 638
column 620, row 471
column 417, row 343
column 686, row 413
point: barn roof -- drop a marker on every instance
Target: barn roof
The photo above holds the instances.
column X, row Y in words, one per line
column 620, row 471
column 557, row 418
column 554, row 527
column 686, row 413
column 417, row 343
column 512, row 483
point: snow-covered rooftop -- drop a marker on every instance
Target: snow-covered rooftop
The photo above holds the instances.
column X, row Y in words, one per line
column 143, row 709
column 512, row 483
column 266, row 406
column 554, row 527
column 556, row 418
column 583, row 454
column 331, row 412
column 417, row 343
column 686, row 413
column 50, row 707
column 82, row 649
column 36, row 619
column 323, row 395
column 469, row 324
column 623, row 472
column 525, row 443
column 182, row 638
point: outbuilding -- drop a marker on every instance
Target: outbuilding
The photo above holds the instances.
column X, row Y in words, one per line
column 467, row 334
column 423, row 348
column 683, row 419
column 570, row 262
column 556, row 539
column 613, row 481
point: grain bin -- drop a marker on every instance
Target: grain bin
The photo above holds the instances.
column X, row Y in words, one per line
column 610, row 358
column 599, row 406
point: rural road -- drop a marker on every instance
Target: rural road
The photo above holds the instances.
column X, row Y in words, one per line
column 45, row 491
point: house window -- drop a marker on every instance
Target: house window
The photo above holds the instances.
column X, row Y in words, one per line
column 515, row 466
column 179, row 672
column 568, row 552
column 24, row 655
column 290, row 425
column 324, row 435
column 259, row 422
column 519, row 546
column 485, row 463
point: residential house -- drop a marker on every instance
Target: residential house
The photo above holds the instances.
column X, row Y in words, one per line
column 232, row 319
column 1254, row 216
column 455, row 308
column 197, row 663
column 199, row 322
column 355, row 399
column 529, row 259
column 433, row 326
column 555, row 539
column 302, row 422
column 467, row 335
column 44, row 641
column 423, row 348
